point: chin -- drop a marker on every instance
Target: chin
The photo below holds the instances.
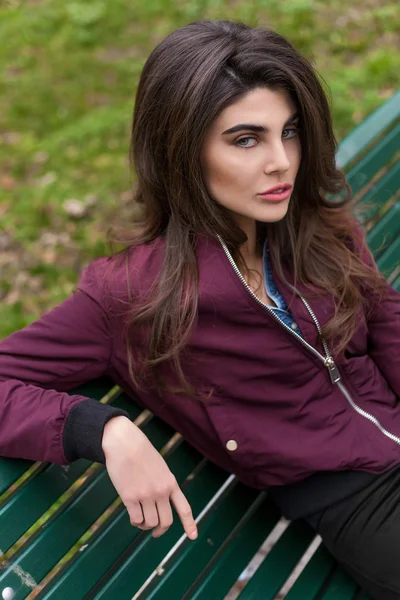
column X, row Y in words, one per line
column 272, row 214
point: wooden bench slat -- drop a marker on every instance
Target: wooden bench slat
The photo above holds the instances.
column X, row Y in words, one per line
column 367, row 131
column 279, row 563
column 22, row 511
column 218, row 578
column 390, row 259
column 194, row 560
column 385, row 231
column 141, row 559
column 97, row 389
column 111, row 540
column 133, row 409
column 10, row 471
column 341, row 587
column 40, row 555
column 33, row 499
column 376, row 198
column 50, row 545
column 377, row 158
column 311, row 580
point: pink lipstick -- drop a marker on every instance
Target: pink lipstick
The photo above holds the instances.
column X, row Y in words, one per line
column 277, row 193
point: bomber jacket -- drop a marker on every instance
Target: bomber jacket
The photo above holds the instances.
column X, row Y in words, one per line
column 282, row 411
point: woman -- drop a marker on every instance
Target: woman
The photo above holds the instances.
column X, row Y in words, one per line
column 246, row 310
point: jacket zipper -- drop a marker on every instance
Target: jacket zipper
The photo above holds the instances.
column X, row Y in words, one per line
column 342, row 388
column 328, row 361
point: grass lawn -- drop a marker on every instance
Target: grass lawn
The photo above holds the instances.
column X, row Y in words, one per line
column 67, row 82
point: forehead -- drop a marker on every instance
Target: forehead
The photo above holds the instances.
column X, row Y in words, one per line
column 261, row 106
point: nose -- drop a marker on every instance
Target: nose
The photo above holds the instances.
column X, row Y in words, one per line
column 278, row 159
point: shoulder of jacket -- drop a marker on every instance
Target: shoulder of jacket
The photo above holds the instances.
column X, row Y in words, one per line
column 109, row 278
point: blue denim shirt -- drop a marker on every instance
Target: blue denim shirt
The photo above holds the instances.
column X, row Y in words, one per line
column 281, row 309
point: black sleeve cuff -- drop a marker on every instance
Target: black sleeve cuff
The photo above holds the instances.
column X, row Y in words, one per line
column 83, row 430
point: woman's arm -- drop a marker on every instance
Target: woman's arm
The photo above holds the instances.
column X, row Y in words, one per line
column 66, row 347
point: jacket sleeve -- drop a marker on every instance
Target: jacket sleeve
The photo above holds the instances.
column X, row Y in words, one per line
column 68, row 346
column 383, row 326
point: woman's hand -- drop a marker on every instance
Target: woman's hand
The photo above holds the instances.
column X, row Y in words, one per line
column 143, row 480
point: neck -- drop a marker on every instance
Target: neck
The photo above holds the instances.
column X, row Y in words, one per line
column 251, row 250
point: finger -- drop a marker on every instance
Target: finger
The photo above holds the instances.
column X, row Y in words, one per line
column 135, row 514
column 165, row 517
column 185, row 513
column 150, row 515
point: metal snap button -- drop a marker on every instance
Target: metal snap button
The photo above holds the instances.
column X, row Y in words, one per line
column 232, row 445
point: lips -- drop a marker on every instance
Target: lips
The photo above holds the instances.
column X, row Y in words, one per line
column 280, row 188
column 277, row 196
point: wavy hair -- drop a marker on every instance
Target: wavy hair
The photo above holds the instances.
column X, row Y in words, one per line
column 188, row 79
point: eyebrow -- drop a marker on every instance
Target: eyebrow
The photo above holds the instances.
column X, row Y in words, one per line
column 257, row 128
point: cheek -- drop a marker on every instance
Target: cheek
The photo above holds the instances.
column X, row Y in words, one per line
column 223, row 172
column 295, row 155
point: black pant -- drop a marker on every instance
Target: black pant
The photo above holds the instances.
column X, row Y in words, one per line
column 363, row 533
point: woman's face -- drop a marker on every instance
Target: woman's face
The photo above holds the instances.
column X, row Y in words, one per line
column 239, row 166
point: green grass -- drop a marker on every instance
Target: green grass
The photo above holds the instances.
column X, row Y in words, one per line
column 68, row 76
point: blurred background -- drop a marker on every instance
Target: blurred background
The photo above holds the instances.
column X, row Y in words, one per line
column 68, row 75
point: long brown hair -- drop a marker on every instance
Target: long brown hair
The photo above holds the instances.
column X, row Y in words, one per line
column 188, row 79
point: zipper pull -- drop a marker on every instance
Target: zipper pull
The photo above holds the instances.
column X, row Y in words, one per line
column 332, row 368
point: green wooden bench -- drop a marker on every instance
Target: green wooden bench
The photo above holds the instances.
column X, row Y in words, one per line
column 64, row 533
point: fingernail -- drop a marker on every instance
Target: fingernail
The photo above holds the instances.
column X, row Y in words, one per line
column 193, row 534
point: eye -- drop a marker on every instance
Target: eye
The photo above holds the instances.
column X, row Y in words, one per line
column 244, row 139
column 294, row 131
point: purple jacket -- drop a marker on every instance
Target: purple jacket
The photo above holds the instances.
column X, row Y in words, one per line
column 280, row 410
